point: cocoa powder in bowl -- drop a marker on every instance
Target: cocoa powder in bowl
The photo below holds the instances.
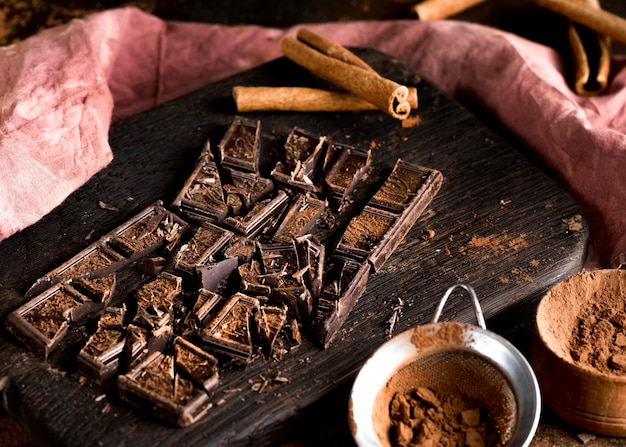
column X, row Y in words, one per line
column 450, row 396
column 583, row 321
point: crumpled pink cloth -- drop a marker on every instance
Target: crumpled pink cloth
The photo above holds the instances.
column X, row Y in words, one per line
column 60, row 90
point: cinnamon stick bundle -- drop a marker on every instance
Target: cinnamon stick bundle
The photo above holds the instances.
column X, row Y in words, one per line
column 442, row 9
column 385, row 94
column 304, row 99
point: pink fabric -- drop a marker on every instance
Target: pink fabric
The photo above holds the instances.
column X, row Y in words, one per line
column 60, row 90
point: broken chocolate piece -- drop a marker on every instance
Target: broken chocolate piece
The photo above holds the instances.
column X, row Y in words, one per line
column 195, row 364
column 303, row 152
column 155, row 301
column 229, row 332
column 202, row 196
column 269, row 322
column 344, row 170
column 156, row 387
column 95, row 261
column 341, row 292
column 250, row 188
column 213, row 275
column 205, row 243
column 99, row 359
column 150, row 230
column 205, row 306
column 42, row 322
column 253, row 221
column 303, row 212
column 404, row 182
column 240, row 146
column 97, row 289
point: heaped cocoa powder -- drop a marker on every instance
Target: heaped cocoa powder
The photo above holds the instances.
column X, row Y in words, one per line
column 583, row 320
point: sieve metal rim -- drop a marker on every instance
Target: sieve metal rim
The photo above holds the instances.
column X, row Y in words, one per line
column 399, row 351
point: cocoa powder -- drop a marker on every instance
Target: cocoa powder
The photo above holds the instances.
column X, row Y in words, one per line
column 447, row 397
column 583, row 320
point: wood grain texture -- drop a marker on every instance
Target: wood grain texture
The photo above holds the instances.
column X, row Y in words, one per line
column 499, row 224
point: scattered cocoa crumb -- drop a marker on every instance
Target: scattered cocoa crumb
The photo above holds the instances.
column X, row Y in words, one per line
column 106, row 206
column 411, row 121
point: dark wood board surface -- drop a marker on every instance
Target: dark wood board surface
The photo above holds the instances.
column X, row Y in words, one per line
column 497, row 224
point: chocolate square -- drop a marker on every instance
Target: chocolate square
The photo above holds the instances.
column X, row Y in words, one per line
column 155, row 301
column 240, row 146
column 205, row 243
column 202, row 196
column 43, row 322
column 156, row 386
column 229, row 332
column 99, row 359
column 152, row 229
column 248, row 187
column 304, row 210
column 259, row 216
column 303, row 152
column 343, row 171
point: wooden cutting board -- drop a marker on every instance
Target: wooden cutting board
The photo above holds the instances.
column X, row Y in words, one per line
column 498, row 224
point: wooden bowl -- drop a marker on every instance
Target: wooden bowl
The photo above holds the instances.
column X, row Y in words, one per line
column 589, row 396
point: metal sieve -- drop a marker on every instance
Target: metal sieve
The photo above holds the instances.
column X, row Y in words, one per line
column 475, row 363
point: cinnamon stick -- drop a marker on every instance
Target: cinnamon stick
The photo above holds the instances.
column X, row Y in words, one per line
column 304, row 99
column 442, row 9
column 384, row 93
column 597, row 19
column 331, row 48
column 590, row 56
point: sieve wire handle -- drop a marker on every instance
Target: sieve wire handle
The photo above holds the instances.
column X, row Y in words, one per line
column 477, row 310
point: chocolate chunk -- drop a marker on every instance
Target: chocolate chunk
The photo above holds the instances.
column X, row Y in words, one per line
column 259, row 216
column 97, row 289
column 229, row 332
column 95, row 261
column 303, row 152
column 205, row 306
column 304, row 210
column 240, row 146
column 344, row 170
column 251, row 279
column 197, row 365
column 156, row 387
column 343, row 287
column 150, row 230
column 402, row 185
column 201, row 249
column 202, row 196
column 155, row 301
column 269, row 322
column 43, row 321
column 250, row 188
column 99, row 359
column 214, row 274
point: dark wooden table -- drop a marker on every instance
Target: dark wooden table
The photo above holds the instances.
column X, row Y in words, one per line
column 497, row 224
